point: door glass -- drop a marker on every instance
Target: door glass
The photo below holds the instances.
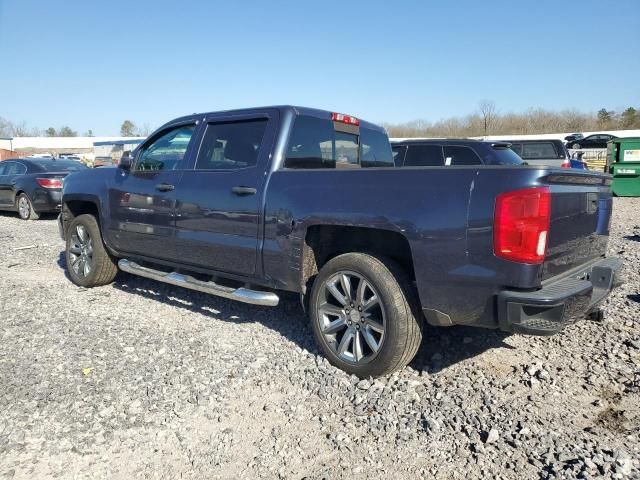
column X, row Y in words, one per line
column 455, row 155
column 3, row 167
column 165, row 152
column 424, row 156
column 14, row 168
column 231, row 145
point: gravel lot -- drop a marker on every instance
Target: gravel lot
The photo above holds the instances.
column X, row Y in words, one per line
column 141, row 379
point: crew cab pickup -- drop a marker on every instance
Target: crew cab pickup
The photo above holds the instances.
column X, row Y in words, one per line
column 246, row 204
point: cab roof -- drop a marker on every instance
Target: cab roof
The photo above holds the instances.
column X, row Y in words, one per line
column 296, row 110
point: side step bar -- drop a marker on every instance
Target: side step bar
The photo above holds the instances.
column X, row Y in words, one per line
column 254, row 297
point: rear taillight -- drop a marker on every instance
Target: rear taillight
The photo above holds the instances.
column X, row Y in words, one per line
column 49, row 182
column 566, row 163
column 521, row 225
column 342, row 118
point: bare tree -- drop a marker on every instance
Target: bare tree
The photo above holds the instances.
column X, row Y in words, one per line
column 144, row 131
column 489, row 114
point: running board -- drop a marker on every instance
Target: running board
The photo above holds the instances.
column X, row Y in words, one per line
column 254, row 297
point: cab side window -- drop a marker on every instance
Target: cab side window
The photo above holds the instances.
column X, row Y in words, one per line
column 165, row 152
column 231, row 145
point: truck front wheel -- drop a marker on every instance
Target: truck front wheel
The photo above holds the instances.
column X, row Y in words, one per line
column 88, row 262
column 363, row 315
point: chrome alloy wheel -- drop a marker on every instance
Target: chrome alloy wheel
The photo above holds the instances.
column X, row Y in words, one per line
column 23, row 207
column 81, row 251
column 351, row 316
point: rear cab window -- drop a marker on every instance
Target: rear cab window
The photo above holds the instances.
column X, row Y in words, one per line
column 536, row 150
column 320, row 143
column 398, row 154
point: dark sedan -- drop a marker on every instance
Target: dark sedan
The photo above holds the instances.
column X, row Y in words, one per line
column 592, row 141
column 32, row 186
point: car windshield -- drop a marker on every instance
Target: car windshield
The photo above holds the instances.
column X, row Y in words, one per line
column 59, row 165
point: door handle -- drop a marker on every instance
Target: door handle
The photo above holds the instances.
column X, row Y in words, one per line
column 244, row 191
column 164, row 187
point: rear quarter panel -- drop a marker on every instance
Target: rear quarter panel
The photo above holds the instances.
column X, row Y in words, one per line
column 428, row 206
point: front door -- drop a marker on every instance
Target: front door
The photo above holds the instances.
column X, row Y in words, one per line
column 142, row 201
column 9, row 172
column 218, row 204
column 4, row 184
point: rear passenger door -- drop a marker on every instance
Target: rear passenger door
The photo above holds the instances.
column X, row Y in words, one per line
column 219, row 199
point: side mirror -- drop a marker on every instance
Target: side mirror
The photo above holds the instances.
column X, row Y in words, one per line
column 126, row 161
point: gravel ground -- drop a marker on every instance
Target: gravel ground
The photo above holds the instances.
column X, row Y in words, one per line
column 141, row 379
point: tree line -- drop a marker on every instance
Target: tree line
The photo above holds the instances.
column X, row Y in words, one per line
column 487, row 120
column 21, row 129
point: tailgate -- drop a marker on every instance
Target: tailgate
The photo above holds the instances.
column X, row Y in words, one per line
column 581, row 205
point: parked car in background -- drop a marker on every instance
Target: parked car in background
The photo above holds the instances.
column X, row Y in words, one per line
column 103, row 162
column 451, row 151
column 70, row 156
column 552, row 153
column 246, row 204
column 598, row 140
column 572, row 138
column 33, row 186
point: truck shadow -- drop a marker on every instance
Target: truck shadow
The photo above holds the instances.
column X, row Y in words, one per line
column 441, row 347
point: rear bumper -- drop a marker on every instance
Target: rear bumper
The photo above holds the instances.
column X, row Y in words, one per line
column 559, row 302
column 47, row 200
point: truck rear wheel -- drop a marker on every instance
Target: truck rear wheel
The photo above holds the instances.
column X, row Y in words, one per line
column 88, row 262
column 362, row 314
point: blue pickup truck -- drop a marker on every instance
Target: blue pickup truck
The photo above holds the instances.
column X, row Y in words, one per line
column 245, row 204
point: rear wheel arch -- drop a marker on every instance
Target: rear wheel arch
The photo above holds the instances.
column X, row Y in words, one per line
column 324, row 242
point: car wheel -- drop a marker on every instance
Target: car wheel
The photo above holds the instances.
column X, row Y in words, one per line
column 25, row 208
column 363, row 315
column 576, row 146
column 88, row 262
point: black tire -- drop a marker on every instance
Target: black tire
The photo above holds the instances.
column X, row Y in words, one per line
column 25, row 208
column 402, row 323
column 576, row 146
column 103, row 267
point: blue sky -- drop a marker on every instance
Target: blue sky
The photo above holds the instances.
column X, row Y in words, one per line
column 92, row 64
